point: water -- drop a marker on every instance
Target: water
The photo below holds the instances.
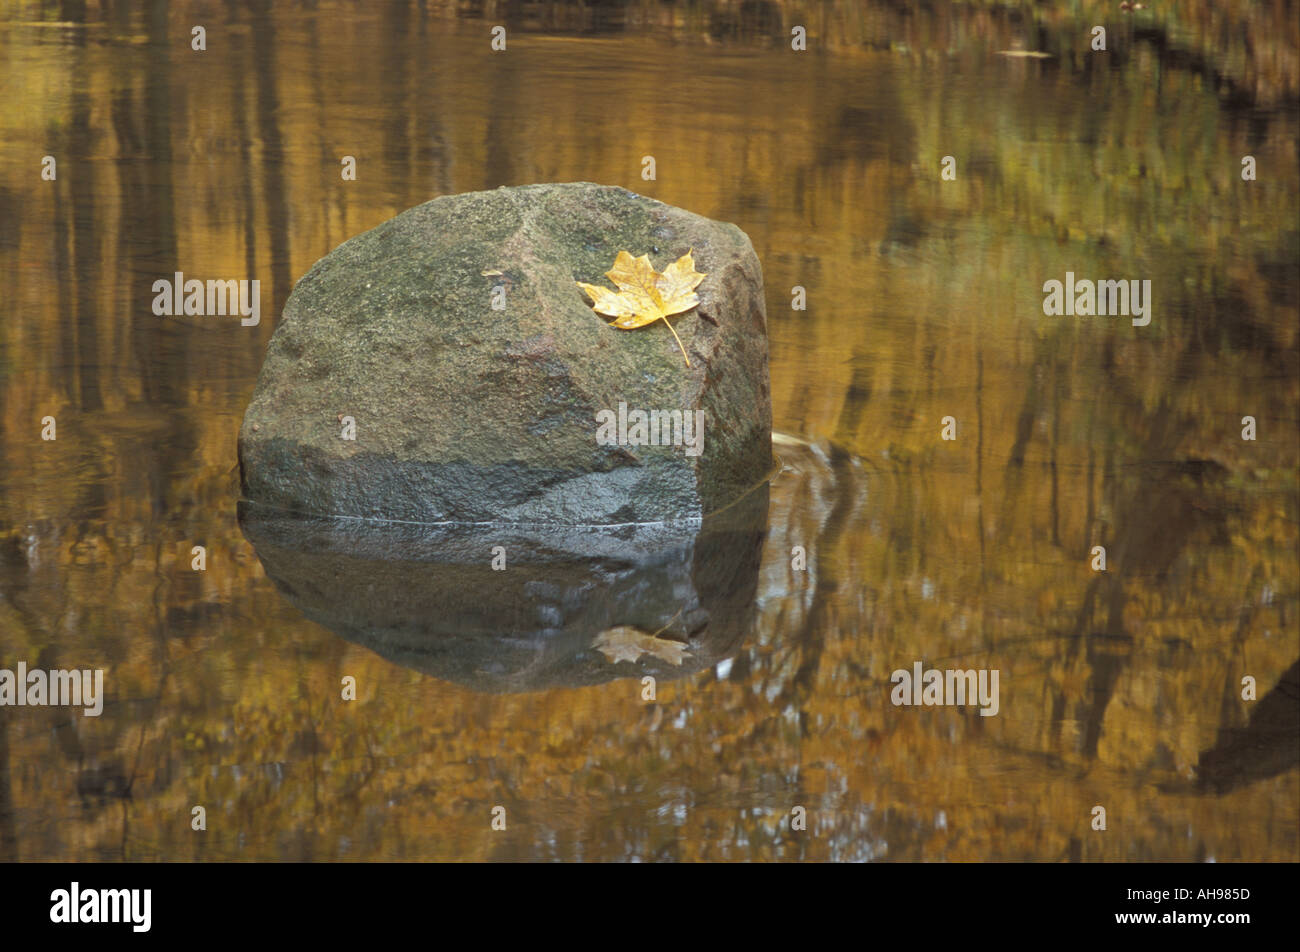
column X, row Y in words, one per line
column 924, row 300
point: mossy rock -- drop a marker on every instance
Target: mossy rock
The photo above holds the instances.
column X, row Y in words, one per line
column 468, row 413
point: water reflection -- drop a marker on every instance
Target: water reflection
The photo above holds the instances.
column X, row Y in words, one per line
column 1267, row 746
column 924, row 301
column 519, row 609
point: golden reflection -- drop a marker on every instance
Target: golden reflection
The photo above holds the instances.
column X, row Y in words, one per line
column 924, row 299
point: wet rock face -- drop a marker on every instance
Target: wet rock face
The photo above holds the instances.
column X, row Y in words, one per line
column 453, row 346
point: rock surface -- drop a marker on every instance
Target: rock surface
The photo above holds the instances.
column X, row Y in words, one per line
column 466, row 413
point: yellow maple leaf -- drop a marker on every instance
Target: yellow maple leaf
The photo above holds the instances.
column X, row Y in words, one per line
column 629, row 643
column 644, row 295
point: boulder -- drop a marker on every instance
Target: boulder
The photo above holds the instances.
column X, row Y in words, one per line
column 454, row 347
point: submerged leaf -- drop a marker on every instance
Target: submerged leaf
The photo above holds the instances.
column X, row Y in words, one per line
column 629, row 643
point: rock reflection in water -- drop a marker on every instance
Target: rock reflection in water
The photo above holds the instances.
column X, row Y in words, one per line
column 569, row 606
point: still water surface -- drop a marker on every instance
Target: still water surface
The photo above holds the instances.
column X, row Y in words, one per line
column 924, row 300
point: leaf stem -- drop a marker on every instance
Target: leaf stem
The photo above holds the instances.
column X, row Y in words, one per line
column 669, row 622
column 679, row 342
